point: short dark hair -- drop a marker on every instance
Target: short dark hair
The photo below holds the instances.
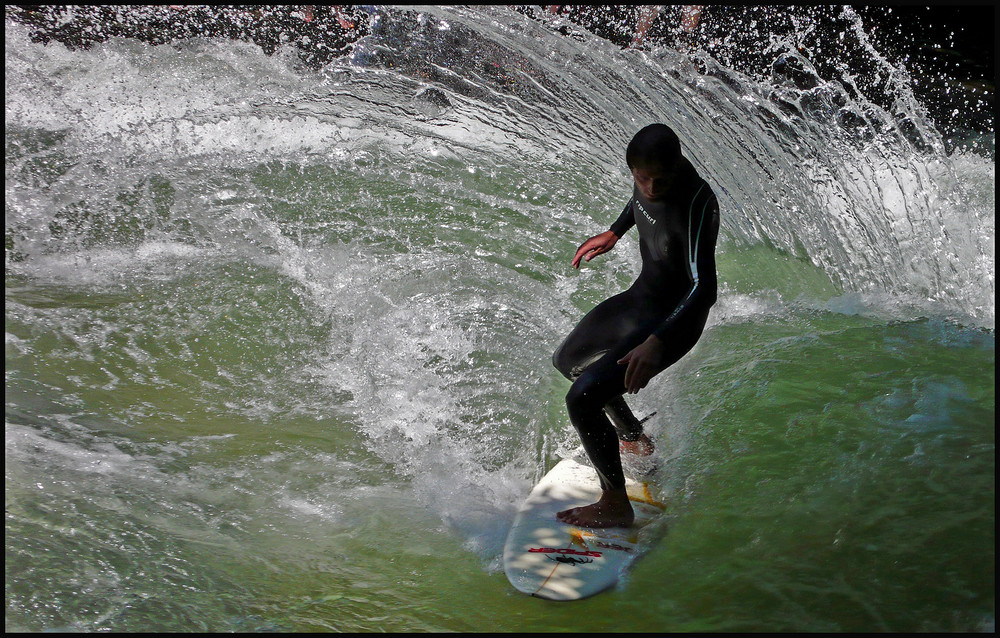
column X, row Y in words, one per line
column 655, row 145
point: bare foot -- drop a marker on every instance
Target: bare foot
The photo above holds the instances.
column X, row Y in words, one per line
column 643, row 446
column 613, row 510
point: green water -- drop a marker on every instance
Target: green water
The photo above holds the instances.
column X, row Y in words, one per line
column 276, row 362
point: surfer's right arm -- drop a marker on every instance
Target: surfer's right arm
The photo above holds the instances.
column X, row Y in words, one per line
column 600, row 244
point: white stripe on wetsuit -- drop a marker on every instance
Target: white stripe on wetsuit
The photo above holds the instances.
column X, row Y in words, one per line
column 693, row 250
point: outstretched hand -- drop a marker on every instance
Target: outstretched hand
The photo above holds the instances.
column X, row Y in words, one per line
column 595, row 246
column 643, row 363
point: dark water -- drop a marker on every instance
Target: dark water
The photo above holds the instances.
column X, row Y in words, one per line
column 278, row 337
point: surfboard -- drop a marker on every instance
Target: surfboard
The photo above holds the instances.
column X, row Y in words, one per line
column 558, row 561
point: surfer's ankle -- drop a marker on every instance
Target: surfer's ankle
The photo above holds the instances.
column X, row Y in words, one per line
column 643, row 446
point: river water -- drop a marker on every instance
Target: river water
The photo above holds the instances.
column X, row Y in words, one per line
column 278, row 339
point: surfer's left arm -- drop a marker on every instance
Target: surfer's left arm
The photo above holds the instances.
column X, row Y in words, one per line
column 703, row 282
column 645, row 360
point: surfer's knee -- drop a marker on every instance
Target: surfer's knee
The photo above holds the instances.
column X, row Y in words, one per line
column 582, row 397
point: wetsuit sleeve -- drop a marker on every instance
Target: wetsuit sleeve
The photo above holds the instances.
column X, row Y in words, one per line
column 703, row 231
column 625, row 221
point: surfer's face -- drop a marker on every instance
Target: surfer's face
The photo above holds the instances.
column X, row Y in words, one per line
column 652, row 181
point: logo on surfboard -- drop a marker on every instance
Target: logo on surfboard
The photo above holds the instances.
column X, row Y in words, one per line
column 567, row 555
column 570, row 560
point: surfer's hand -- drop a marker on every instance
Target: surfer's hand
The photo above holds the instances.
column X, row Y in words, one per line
column 595, row 246
column 643, row 363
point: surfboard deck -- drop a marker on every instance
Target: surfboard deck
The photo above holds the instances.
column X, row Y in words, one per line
column 558, row 561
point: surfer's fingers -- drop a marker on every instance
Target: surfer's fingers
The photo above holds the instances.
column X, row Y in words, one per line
column 597, row 245
column 637, row 376
column 583, row 253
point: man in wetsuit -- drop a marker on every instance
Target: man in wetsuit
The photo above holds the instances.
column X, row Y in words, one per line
column 628, row 339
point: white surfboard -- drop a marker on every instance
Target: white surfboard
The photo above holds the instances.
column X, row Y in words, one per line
column 550, row 559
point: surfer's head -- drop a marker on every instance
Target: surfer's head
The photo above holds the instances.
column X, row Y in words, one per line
column 655, row 146
column 653, row 156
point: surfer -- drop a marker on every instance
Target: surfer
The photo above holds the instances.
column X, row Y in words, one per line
column 631, row 337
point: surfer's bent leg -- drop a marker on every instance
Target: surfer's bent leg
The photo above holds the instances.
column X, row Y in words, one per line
column 601, row 383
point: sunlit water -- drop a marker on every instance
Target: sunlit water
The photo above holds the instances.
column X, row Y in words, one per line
column 278, row 340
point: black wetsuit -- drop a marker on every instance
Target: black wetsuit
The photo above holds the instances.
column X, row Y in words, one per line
column 671, row 298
